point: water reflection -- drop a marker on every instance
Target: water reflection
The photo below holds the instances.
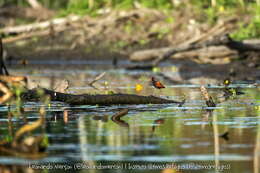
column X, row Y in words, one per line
column 189, row 136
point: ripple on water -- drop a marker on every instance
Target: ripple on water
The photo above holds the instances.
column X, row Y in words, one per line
column 175, row 158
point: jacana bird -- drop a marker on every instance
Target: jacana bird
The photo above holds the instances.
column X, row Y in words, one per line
column 157, row 84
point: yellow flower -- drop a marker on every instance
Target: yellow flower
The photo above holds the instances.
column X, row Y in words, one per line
column 174, row 69
column 138, row 87
column 156, row 69
column 226, row 82
column 221, row 9
column 110, row 92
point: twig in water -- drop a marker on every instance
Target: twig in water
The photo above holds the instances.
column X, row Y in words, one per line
column 14, row 79
column 7, row 93
column 207, row 98
column 98, row 77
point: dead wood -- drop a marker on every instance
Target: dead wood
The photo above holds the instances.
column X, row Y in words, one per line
column 166, row 53
column 85, row 30
column 39, row 25
column 6, row 84
column 34, row 4
column 33, row 34
column 220, row 28
column 97, row 78
column 208, row 99
column 13, row 79
column 210, row 52
column 7, row 94
column 3, row 69
column 149, row 54
column 87, row 99
column 215, row 42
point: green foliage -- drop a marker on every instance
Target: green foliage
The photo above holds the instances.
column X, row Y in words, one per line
column 45, row 141
column 46, row 3
column 93, row 7
column 169, row 20
column 18, row 90
column 211, row 15
column 129, row 27
column 252, row 30
column 143, row 41
column 8, row 138
column 210, row 11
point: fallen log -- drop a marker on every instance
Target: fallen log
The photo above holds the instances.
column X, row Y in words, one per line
column 87, row 99
column 219, row 29
column 165, row 53
column 149, row 54
column 221, row 40
column 211, row 52
column 40, row 26
column 35, row 4
column 34, row 34
column 91, row 26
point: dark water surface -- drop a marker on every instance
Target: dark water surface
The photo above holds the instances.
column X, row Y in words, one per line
column 152, row 138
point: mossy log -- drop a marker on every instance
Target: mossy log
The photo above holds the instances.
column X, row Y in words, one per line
column 87, row 99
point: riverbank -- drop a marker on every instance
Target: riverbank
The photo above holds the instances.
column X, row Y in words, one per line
column 118, row 33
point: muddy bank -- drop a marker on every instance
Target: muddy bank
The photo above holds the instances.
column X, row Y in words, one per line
column 118, row 34
column 115, row 34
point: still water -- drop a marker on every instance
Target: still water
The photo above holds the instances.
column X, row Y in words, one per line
column 150, row 138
